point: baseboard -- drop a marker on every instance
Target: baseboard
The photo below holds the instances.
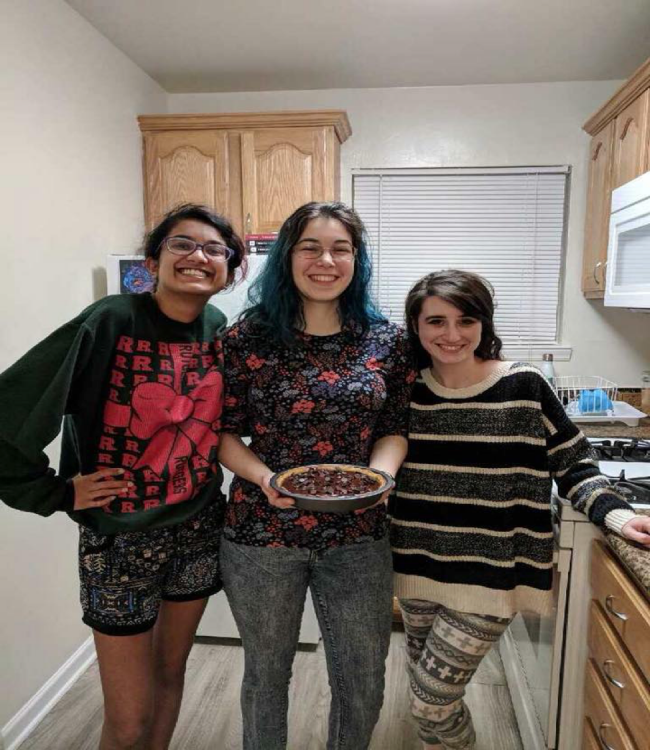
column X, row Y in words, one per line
column 19, row 727
column 522, row 703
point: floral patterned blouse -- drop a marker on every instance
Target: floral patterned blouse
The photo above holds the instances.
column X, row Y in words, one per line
column 325, row 400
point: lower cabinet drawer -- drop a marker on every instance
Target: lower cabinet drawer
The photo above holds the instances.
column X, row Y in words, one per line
column 624, row 607
column 625, row 684
column 589, row 739
column 603, row 714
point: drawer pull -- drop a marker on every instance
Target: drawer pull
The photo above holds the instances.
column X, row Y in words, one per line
column 611, row 610
column 616, row 683
column 603, row 741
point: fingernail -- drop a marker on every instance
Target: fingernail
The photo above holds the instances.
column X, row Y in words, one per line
column 131, row 484
column 112, row 497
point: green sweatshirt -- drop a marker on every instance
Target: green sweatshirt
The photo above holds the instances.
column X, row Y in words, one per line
column 134, row 390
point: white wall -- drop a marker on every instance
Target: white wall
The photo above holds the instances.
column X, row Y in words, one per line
column 70, row 192
column 499, row 125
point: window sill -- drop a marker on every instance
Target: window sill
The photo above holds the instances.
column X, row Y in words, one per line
column 535, row 352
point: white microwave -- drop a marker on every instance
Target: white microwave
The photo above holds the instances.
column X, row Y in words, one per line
column 628, row 252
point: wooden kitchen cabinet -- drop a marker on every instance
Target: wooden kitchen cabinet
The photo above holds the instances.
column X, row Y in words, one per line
column 617, row 690
column 619, row 152
column 625, row 609
column 631, row 141
column 598, row 210
column 254, row 168
column 624, row 682
column 188, row 166
column 602, row 714
column 589, row 739
column 284, row 168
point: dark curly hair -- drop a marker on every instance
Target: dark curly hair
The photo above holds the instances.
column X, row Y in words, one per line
column 470, row 293
column 153, row 240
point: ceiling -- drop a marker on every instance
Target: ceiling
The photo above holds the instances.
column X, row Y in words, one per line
column 265, row 45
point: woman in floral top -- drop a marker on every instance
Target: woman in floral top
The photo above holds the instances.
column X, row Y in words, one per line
column 314, row 375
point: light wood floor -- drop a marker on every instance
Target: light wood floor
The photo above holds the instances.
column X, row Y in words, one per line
column 210, row 718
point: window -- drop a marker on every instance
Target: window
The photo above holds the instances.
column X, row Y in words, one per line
column 505, row 224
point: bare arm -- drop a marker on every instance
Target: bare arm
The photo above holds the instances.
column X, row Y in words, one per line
column 388, row 453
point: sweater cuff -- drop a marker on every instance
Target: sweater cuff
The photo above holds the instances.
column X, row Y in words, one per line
column 67, row 506
column 616, row 519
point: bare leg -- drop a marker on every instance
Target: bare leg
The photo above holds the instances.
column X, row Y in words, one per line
column 125, row 668
column 173, row 639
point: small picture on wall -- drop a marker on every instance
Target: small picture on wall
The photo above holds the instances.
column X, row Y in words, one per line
column 127, row 274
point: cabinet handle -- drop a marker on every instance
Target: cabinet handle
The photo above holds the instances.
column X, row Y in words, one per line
column 596, row 267
column 630, row 120
column 611, row 610
column 616, row 683
column 603, row 741
column 249, row 223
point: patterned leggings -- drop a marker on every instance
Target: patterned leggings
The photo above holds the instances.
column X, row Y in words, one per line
column 444, row 650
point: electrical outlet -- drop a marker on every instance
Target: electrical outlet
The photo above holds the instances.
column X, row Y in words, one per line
column 645, row 376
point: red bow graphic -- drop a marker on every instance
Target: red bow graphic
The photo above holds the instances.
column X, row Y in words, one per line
column 176, row 426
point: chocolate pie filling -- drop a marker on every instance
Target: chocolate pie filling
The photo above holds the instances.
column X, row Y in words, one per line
column 330, row 483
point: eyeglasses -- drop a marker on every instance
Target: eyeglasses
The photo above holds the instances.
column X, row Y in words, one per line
column 313, row 251
column 185, row 246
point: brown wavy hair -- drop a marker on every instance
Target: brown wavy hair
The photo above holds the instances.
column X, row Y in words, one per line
column 470, row 293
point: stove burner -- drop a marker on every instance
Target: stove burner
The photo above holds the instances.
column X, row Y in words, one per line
column 622, row 450
column 636, row 491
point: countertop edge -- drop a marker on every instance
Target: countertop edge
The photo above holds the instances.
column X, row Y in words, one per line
column 635, row 560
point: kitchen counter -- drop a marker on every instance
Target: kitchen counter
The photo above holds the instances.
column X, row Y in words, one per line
column 617, row 430
column 634, row 557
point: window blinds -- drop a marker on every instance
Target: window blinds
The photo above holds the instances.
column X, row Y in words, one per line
column 505, row 224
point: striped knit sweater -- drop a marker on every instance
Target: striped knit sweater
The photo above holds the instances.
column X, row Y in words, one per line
column 472, row 526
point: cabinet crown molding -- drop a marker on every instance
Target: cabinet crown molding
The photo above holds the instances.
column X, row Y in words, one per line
column 636, row 84
column 335, row 118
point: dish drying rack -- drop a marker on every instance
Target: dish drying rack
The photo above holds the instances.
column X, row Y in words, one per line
column 602, row 407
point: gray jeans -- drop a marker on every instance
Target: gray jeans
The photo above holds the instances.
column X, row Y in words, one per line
column 351, row 587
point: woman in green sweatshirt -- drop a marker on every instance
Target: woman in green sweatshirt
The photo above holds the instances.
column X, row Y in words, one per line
column 136, row 380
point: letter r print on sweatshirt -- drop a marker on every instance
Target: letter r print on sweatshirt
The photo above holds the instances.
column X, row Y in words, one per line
column 161, row 420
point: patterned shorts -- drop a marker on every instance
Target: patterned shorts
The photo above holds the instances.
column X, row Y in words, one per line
column 125, row 577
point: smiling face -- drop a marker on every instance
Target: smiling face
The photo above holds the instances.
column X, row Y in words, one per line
column 448, row 335
column 191, row 274
column 325, row 278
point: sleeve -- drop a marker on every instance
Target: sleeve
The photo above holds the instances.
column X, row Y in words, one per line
column 236, row 375
column 221, row 322
column 574, row 467
column 35, row 395
column 400, row 376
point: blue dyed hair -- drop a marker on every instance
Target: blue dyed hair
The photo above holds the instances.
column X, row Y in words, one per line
column 275, row 307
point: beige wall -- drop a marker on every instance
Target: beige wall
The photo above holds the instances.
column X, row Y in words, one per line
column 70, row 192
column 500, row 125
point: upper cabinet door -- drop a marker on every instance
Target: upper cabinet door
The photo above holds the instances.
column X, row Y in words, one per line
column 631, row 141
column 186, row 167
column 599, row 193
column 282, row 168
column 258, row 166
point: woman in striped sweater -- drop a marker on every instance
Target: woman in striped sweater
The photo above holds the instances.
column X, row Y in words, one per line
column 471, row 532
